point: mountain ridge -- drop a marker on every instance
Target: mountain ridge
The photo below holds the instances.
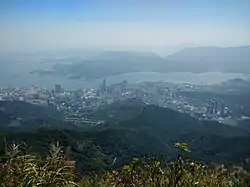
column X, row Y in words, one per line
column 194, row 60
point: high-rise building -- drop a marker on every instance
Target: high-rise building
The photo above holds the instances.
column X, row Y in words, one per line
column 124, row 86
column 58, row 88
column 209, row 103
column 211, row 107
column 104, row 85
column 216, row 107
column 222, row 109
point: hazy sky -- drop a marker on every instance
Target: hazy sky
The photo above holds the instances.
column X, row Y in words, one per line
column 61, row 24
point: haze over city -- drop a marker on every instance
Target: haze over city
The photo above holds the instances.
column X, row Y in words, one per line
column 140, row 93
column 46, row 25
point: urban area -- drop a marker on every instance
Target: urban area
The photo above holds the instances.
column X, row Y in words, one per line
column 76, row 105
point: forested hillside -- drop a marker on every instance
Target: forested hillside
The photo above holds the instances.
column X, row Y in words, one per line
column 150, row 131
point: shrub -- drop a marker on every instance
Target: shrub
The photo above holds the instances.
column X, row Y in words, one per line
column 57, row 169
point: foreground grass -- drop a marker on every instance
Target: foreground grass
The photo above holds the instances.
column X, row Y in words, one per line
column 20, row 169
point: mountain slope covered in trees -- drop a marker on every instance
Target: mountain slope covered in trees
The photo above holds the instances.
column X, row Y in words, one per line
column 150, row 131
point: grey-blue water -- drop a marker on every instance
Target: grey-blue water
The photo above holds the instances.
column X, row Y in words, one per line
column 48, row 81
column 17, row 74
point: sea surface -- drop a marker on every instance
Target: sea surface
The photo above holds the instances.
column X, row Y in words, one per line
column 16, row 73
column 25, row 79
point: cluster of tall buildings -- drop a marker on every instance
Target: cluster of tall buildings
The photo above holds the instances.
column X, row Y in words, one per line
column 117, row 88
column 216, row 107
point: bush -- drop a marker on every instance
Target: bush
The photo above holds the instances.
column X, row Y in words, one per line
column 30, row 170
column 57, row 169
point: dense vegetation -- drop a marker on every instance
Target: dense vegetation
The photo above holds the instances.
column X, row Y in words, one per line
column 30, row 116
column 144, row 132
column 57, row 169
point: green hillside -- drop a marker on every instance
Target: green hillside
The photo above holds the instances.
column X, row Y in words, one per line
column 149, row 131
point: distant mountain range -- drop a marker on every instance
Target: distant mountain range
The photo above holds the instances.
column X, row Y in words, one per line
column 196, row 60
column 204, row 59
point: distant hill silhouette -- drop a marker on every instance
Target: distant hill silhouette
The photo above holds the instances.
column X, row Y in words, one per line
column 203, row 59
column 197, row 60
